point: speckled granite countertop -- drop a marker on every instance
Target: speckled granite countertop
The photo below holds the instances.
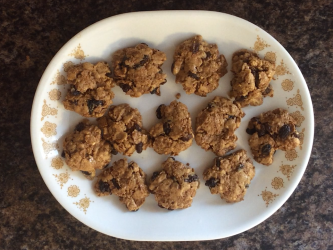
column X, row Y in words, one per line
column 33, row 31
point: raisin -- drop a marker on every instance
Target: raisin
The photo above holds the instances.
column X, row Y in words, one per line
column 108, row 74
column 80, row 127
column 104, row 187
column 137, row 127
column 268, row 127
column 190, row 74
column 240, row 166
column 85, row 172
column 208, row 54
column 114, row 152
column 186, row 138
column 266, row 149
column 142, row 62
column 92, row 104
column 212, row 182
column 250, row 131
column 154, row 91
column 75, row 92
column 159, row 112
column 256, row 76
column 240, row 98
column 211, row 105
column 138, row 147
column 195, row 47
column 261, row 131
column 192, row 178
column 284, row 131
column 115, row 183
column 267, row 90
column 155, row 174
column 218, row 162
column 166, row 128
column 63, row 154
column 231, row 117
column 124, row 87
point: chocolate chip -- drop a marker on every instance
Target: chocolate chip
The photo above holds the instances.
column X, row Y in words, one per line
column 166, row 128
column 63, row 154
column 155, row 174
column 80, row 127
column 154, row 91
column 284, row 131
column 190, row 74
column 212, row 182
column 195, row 47
column 247, row 185
column 208, row 54
column 108, row 75
column 137, row 127
column 211, row 105
column 85, row 172
column 217, row 162
column 75, row 92
column 240, row 166
column 104, row 187
column 138, row 147
column 92, row 104
column 114, row 152
column 124, row 87
column 266, row 149
column 186, row 138
column 159, row 112
column 191, row 178
column 256, row 76
column 267, row 90
column 261, row 131
column 142, row 62
column 115, row 183
column 250, row 131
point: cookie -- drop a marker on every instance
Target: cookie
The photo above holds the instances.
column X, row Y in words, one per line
column 216, row 124
column 271, row 131
column 122, row 127
column 175, row 186
column 174, row 133
column 230, row 176
column 137, row 70
column 125, row 180
column 198, row 66
column 252, row 76
column 85, row 150
column 90, row 93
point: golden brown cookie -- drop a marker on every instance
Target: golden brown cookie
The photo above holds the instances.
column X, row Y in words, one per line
column 85, row 150
column 175, row 186
column 252, row 76
column 137, row 70
column 90, row 93
column 198, row 66
column 125, row 180
column 122, row 127
column 271, row 131
column 230, row 176
column 174, row 133
column 216, row 124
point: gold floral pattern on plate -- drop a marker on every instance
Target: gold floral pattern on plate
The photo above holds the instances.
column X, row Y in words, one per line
column 259, row 44
column 54, row 94
column 299, row 118
column 291, row 154
column 281, row 69
column 287, row 85
column 48, row 147
column 67, row 65
column 301, row 138
column 296, row 100
column 47, row 110
column 73, row 191
column 270, row 56
column 57, row 162
column 268, row 196
column 58, row 79
column 277, row 183
column 78, row 53
column 62, row 178
column 49, row 129
column 287, row 170
column 83, row 204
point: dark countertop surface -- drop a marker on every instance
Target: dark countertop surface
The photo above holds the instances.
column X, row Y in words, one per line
column 31, row 34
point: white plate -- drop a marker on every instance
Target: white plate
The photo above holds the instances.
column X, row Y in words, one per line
column 209, row 217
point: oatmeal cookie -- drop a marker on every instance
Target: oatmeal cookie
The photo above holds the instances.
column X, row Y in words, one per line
column 216, row 124
column 252, row 76
column 90, row 94
column 230, row 176
column 137, row 70
column 122, row 127
column 174, row 134
column 198, row 66
column 85, row 150
column 125, row 180
column 175, row 186
column 271, row 131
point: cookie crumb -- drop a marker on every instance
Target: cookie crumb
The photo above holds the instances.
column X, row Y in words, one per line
column 178, row 95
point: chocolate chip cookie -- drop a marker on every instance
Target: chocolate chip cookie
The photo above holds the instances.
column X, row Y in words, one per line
column 90, row 93
column 125, row 180
column 271, row 131
column 216, row 124
column 198, row 66
column 85, row 150
column 174, row 133
column 122, row 127
column 230, row 176
column 252, row 76
column 175, row 186
column 137, row 70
